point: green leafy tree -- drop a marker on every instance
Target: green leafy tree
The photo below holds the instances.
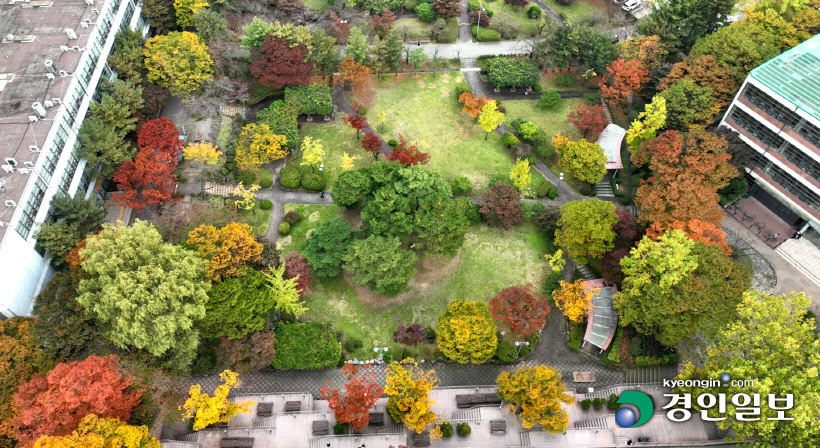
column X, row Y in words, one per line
column 160, row 14
column 583, row 160
column 385, row 54
column 688, row 104
column 323, row 53
column 773, row 341
column 738, row 47
column 380, row 263
column 350, row 187
column 658, row 274
column 441, row 226
column 417, row 57
column 127, row 57
column 255, row 33
column 209, row 24
column 74, row 218
column 357, row 45
column 237, row 306
column 63, row 328
column 326, row 247
column 147, row 293
column 466, row 332
column 680, row 23
column 585, row 229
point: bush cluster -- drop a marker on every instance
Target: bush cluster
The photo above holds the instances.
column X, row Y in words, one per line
column 513, row 72
column 506, row 351
column 312, row 99
column 550, row 101
column 292, row 217
column 284, row 228
column 305, row 346
column 486, row 34
column 463, row 429
column 462, row 186
column 266, row 204
column 313, row 182
column 290, row 177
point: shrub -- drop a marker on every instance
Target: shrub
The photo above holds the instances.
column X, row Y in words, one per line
column 281, row 119
column 312, row 99
column 473, row 5
column 266, row 204
column 517, row 123
column 410, row 5
column 246, row 177
column 550, row 101
column 426, row 12
column 586, row 403
column 534, row 12
column 531, row 159
column 598, row 403
column 306, row 345
column 552, row 194
column 544, row 189
column 292, row 217
column 362, row 110
column 290, row 177
column 284, row 228
column 565, row 81
column 352, row 345
column 463, row 429
column 430, row 334
column 509, row 139
column 313, row 182
column 411, row 335
column 339, row 428
column 506, row 351
column 446, row 429
column 387, row 357
column 552, row 282
column 612, row 402
column 462, row 186
column 528, row 130
column 636, row 346
column 537, row 88
column 486, row 35
column 625, row 200
column 590, row 98
column 266, row 183
column 513, row 72
column 461, row 88
column 392, row 143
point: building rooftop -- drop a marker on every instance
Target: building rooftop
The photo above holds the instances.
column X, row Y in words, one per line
column 41, row 43
column 795, row 75
column 603, row 318
column 610, row 140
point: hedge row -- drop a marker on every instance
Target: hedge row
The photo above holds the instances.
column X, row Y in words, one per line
column 281, row 119
column 306, row 345
column 312, row 99
column 513, row 72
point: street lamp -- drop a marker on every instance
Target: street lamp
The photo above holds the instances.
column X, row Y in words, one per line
column 519, row 345
column 478, row 24
column 381, row 351
column 560, row 179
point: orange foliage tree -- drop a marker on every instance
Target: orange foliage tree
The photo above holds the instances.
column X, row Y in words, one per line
column 356, row 75
column 408, row 154
column 228, row 249
column 647, row 49
column 688, row 168
column 523, row 308
column 352, row 404
column 706, row 72
column 625, row 78
column 55, row 404
column 472, row 104
column 696, row 230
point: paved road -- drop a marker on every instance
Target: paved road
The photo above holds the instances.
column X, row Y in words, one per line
column 474, row 49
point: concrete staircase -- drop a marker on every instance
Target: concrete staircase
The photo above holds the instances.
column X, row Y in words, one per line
column 650, row 375
column 803, row 255
column 525, row 438
column 592, row 423
column 217, row 189
column 584, row 270
column 603, row 189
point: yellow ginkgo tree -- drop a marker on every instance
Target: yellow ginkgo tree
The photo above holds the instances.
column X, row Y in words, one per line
column 536, row 395
column 490, row 118
column 574, row 299
column 202, row 152
column 347, row 161
column 408, row 388
column 520, row 174
column 246, row 196
column 258, row 145
column 96, row 432
column 207, row 410
column 313, row 153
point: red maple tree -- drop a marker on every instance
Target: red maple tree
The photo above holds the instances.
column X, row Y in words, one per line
column 516, row 3
column 475, row 16
column 297, row 266
column 523, row 308
column 408, row 154
column 501, row 206
column 446, row 9
column 356, row 120
column 337, row 28
column 352, row 404
column 588, row 118
column 276, row 64
column 382, row 23
column 55, row 403
column 149, row 178
column 372, row 144
column 625, row 78
column 160, row 135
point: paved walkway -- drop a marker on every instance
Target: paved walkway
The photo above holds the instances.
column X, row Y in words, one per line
column 470, row 49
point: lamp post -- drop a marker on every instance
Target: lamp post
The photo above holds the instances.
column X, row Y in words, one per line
column 519, row 345
column 478, row 24
column 381, row 351
column 560, row 179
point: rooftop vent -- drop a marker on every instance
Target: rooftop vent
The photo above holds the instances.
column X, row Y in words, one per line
column 8, row 38
column 28, row 164
column 63, row 48
column 49, row 75
column 11, row 161
column 39, row 109
column 7, row 168
column 63, row 73
column 5, row 78
column 56, row 101
column 76, row 48
column 33, row 118
column 50, row 65
column 95, row 11
column 34, row 148
column 89, row 2
column 10, row 203
column 71, row 34
column 48, row 104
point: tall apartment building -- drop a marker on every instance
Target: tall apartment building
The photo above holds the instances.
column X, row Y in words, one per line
column 777, row 113
column 52, row 59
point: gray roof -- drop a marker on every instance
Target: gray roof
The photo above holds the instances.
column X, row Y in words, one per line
column 604, row 318
column 795, row 75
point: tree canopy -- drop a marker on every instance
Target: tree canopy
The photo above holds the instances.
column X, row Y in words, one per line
column 381, row 264
column 326, row 247
column 466, row 332
column 585, row 229
column 536, row 395
column 178, row 61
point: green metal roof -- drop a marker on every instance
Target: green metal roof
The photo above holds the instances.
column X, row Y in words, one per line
column 795, row 75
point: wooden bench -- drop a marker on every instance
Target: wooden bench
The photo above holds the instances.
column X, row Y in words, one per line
column 472, row 400
column 376, row 419
column 236, row 442
column 264, row 409
column 498, row 427
column 293, row 406
column 421, row 439
column 320, row 428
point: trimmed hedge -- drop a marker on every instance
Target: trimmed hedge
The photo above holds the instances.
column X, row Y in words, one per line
column 266, row 204
column 446, row 429
column 266, row 183
column 312, row 99
column 506, row 351
column 292, row 217
column 463, row 429
column 290, row 177
column 486, row 35
column 313, row 182
column 513, row 72
column 534, row 12
column 552, row 194
column 305, row 346
column 550, row 101
column 426, row 12
column 509, row 139
column 284, row 228
column 544, row 189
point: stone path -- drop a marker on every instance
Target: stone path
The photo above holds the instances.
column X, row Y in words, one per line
column 764, row 277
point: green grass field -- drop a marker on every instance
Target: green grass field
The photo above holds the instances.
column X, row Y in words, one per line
column 549, row 121
column 257, row 218
column 424, row 109
column 517, row 18
column 337, row 138
column 490, row 260
column 412, row 29
column 577, row 10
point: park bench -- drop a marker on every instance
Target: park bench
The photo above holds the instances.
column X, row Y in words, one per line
column 293, row 406
column 376, row 419
column 321, row 428
column 472, row 400
column 498, row 427
column 236, row 442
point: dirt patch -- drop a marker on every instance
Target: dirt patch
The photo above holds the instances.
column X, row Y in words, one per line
column 421, row 84
column 282, row 242
column 353, row 217
column 431, row 269
column 314, row 217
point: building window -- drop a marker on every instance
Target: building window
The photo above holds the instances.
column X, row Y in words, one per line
column 756, row 128
column 31, row 208
column 50, row 163
column 771, row 106
column 803, row 161
column 68, row 174
column 787, row 181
